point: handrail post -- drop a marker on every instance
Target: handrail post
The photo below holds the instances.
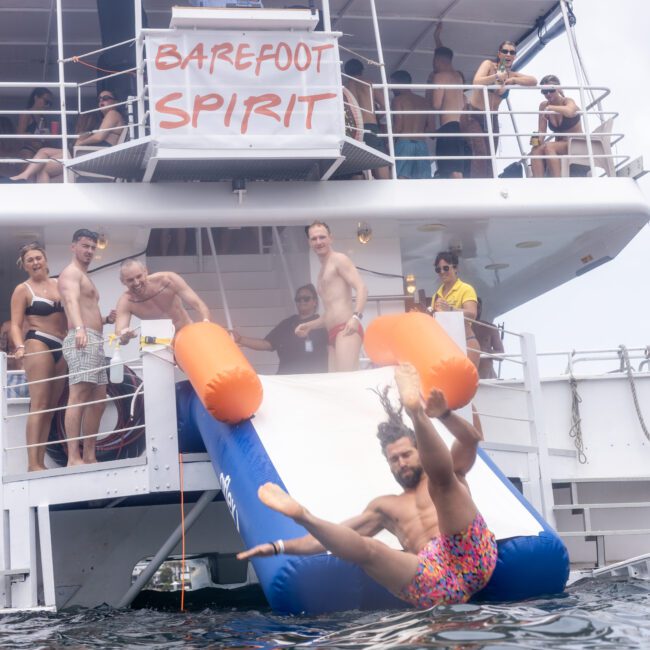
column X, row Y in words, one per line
column 537, row 426
column 139, row 64
column 514, row 126
column 384, row 81
column 490, row 130
column 62, row 98
column 327, row 16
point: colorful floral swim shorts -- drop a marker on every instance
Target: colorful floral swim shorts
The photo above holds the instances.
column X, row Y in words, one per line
column 453, row 567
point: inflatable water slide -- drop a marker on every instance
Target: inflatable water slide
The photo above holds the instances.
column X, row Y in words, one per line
column 315, row 435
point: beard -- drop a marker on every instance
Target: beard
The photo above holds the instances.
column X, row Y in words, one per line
column 409, row 478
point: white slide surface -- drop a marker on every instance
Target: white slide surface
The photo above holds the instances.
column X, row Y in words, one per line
column 320, row 433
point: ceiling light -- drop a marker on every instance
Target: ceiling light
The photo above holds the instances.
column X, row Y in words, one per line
column 102, row 241
column 497, row 266
column 533, row 243
column 410, row 284
column 364, row 232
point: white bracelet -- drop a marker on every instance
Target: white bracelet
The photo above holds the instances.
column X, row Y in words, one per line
column 280, row 544
column 79, row 328
column 356, row 318
column 20, row 346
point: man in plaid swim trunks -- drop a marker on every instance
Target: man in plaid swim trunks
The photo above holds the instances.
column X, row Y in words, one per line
column 83, row 349
column 449, row 552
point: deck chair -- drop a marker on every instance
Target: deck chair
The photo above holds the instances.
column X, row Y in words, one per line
column 601, row 138
column 84, row 149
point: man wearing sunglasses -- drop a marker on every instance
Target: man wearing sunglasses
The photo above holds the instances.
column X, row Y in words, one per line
column 297, row 355
column 492, row 72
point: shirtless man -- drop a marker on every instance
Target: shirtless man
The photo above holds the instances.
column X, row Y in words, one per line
column 337, row 277
column 410, row 146
column 452, row 101
column 159, row 295
column 83, row 348
column 450, row 553
column 361, row 88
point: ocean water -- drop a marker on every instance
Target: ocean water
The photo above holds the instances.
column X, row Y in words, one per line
column 609, row 613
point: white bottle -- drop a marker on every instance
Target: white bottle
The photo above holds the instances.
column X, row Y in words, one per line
column 116, row 372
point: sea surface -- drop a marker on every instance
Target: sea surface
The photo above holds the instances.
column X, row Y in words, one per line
column 608, row 613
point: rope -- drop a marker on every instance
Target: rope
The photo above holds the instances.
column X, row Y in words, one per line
column 575, row 431
column 625, row 361
column 76, row 59
column 180, row 474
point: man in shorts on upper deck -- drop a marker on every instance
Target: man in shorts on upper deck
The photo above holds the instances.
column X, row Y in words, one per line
column 83, row 348
column 337, row 278
column 449, row 553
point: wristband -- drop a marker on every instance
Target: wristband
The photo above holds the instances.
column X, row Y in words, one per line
column 358, row 315
column 20, row 346
column 280, row 544
column 275, row 548
column 445, row 415
column 79, row 328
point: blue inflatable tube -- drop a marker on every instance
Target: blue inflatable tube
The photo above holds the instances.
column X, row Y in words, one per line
column 527, row 567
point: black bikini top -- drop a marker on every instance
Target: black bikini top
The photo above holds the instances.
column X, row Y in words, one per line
column 42, row 306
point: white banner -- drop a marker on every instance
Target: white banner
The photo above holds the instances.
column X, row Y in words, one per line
column 271, row 90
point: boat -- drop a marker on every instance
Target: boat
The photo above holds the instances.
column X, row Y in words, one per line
column 227, row 208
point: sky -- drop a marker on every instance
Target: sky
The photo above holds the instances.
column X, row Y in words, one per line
column 608, row 306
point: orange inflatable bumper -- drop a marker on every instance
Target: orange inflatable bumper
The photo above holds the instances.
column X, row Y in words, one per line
column 221, row 375
column 418, row 339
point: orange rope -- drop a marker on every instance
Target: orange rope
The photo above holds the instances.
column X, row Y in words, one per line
column 76, row 59
column 180, row 471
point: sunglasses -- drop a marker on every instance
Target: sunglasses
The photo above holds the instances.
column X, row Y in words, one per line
column 105, row 98
column 510, row 52
column 440, row 269
column 549, row 91
column 304, row 298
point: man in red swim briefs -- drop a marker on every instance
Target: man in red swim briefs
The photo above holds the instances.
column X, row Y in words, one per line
column 449, row 552
column 337, row 278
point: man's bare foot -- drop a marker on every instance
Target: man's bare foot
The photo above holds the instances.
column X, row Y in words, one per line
column 36, row 468
column 276, row 498
column 90, row 461
column 74, row 461
column 408, row 385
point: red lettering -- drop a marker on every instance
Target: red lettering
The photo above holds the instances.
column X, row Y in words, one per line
column 168, row 50
column 195, row 55
column 230, row 109
column 288, row 54
column 319, row 49
column 288, row 113
column 263, row 56
column 205, row 103
column 264, row 105
column 311, row 100
column 307, row 52
column 241, row 55
column 220, row 51
column 161, row 107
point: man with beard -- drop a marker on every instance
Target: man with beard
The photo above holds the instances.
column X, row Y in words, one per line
column 449, row 552
column 159, row 295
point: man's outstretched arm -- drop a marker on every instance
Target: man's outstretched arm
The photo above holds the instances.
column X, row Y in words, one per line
column 368, row 524
column 465, row 446
column 189, row 296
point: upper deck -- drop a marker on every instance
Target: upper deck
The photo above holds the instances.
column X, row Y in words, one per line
column 182, row 160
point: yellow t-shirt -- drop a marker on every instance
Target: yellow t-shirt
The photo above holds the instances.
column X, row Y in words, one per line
column 458, row 295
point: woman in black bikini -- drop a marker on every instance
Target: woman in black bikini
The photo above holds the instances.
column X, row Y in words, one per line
column 37, row 305
column 491, row 72
column 565, row 118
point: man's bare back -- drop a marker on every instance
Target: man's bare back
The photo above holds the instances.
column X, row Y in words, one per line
column 447, row 99
column 408, row 101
